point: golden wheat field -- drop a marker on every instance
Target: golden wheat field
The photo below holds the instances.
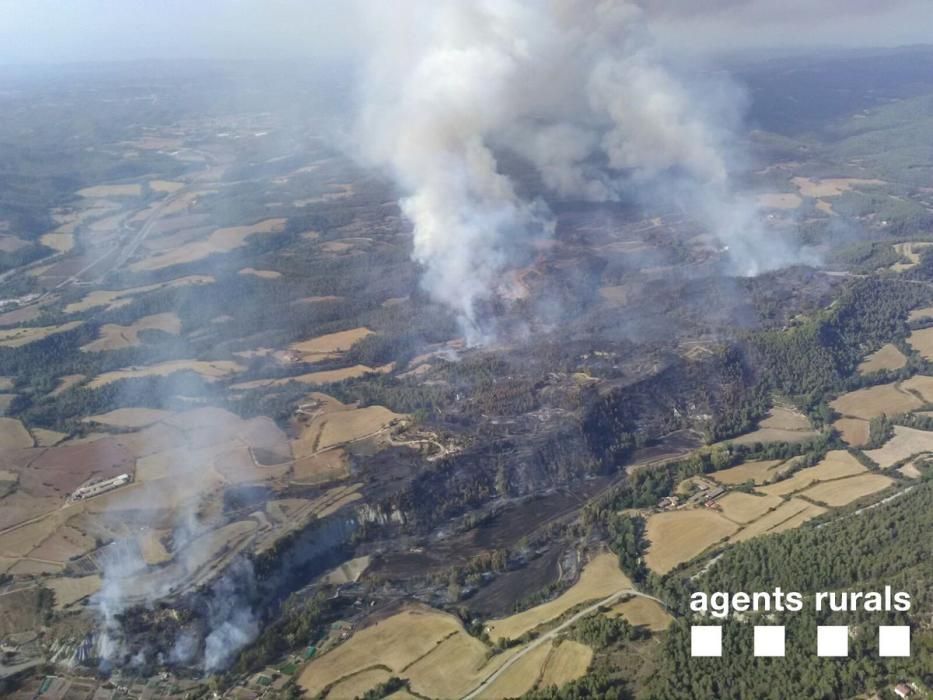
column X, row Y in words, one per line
column 906, row 443
column 116, row 337
column 678, row 536
column 835, row 465
column 921, row 313
column 520, row 677
column 222, row 240
column 100, row 191
column 567, row 661
column 922, row 341
column 395, row 642
column 919, row 385
column 18, row 337
column 329, row 346
column 759, row 472
column 13, row 434
column 113, row 299
column 745, row 507
column 791, row 514
column 357, row 684
column 830, row 187
column 130, row 417
column 210, row 371
column 262, row 274
column 781, row 425
column 853, row 431
column 315, row 378
column 887, row 357
column 844, row 491
column 600, row 578
column 884, row 399
column 644, row 612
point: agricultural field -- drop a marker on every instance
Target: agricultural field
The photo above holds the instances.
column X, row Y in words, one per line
column 844, row 491
column 47, row 438
column 10, row 244
column 262, row 274
column 103, row 191
column 18, row 337
column 210, row 371
column 780, row 200
column 348, row 571
column 760, row 472
column 129, row 417
column 13, row 434
column 906, row 443
column 328, row 347
column 678, row 536
column 888, row 357
column 165, row 186
column 920, row 385
column 643, row 612
column 114, row 299
column 567, row 661
column 921, row 314
column 831, row 187
column 70, row 590
column 743, row 508
column 329, row 376
column 520, row 677
column 356, row 685
column 320, row 467
column 884, row 399
column 791, row 514
column 339, row 424
column 67, row 382
column 117, row 337
column 395, row 642
column 600, row 578
column 910, row 250
column 223, row 240
column 781, row 425
column 911, row 471
column 835, row 465
column 853, row 431
column 453, row 668
column 59, row 241
column 922, row 341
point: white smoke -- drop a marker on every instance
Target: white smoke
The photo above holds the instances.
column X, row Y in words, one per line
column 127, row 581
column 575, row 87
column 231, row 620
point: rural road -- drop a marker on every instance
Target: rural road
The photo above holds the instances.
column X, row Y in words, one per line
column 548, row 636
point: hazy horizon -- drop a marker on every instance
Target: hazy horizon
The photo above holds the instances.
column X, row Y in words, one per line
column 47, row 32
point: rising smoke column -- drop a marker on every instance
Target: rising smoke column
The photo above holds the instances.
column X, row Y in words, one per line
column 576, row 88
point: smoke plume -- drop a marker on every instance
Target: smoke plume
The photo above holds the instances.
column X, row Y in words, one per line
column 575, row 88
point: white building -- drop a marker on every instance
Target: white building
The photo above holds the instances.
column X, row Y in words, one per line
column 100, row 487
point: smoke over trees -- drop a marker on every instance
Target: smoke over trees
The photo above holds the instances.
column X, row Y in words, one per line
column 574, row 87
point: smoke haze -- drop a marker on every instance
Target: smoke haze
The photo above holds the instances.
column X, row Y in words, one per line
column 576, row 88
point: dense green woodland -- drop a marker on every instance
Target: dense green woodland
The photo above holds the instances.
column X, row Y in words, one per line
column 886, row 545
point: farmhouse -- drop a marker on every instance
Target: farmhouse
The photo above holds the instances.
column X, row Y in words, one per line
column 100, row 487
column 714, row 494
column 668, row 502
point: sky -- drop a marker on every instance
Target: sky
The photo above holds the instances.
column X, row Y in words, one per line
column 64, row 31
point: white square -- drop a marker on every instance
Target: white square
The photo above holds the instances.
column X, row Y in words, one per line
column 832, row 640
column 894, row 640
column 769, row 640
column 705, row 640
